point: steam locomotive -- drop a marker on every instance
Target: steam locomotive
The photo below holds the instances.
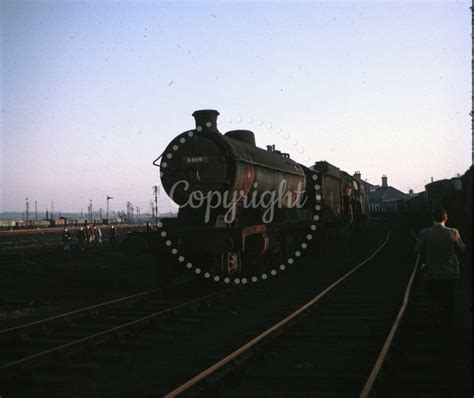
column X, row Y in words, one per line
column 243, row 208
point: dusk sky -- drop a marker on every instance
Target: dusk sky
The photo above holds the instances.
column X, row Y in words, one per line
column 93, row 92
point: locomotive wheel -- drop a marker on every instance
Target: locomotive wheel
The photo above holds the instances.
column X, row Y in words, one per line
column 231, row 265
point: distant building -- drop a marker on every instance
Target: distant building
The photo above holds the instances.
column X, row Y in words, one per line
column 386, row 199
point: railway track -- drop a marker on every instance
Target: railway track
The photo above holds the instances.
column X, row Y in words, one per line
column 425, row 360
column 324, row 348
column 165, row 354
column 33, row 344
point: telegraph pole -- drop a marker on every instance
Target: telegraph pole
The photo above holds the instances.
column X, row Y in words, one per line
column 138, row 215
column 36, row 210
column 52, row 209
column 155, row 192
column 108, row 198
column 27, row 210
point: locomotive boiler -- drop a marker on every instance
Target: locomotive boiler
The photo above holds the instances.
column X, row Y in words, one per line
column 230, row 164
column 243, row 209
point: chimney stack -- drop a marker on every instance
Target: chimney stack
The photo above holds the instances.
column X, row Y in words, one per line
column 206, row 120
column 384, row 181
column 358, row 175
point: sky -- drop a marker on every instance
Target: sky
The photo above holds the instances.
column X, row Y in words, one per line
column 92, row 92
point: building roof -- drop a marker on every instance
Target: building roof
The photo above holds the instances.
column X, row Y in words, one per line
column 368, row 184
column 377, row 193
column 385, row 194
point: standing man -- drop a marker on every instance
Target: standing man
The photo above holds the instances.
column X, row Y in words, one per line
column 439, row 244
column 81, row 237
column 67, row 240
column 113, row 236
column 98, row 235
column 90, row 236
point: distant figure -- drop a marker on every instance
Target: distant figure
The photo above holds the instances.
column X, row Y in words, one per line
column 81, row 237
column 90, row 236
column 113, row 236
column 148, row 227
column 98, row 236
column 87, row 234
column 66, row 240
column 438, row 244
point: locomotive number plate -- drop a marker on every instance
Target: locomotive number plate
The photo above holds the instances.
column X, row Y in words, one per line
column 195, row 159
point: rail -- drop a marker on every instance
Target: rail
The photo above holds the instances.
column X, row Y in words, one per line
column 115, row 331
column 196, row 383
column 81, row 311
column 386, row 347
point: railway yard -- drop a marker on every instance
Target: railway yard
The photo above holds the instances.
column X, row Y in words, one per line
column 334, row 325
column 236, row 199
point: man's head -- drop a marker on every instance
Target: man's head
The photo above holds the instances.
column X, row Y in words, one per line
column 440, row 215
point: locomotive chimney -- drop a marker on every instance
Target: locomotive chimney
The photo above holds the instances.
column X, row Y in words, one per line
column 206, row 119
column 384, row 181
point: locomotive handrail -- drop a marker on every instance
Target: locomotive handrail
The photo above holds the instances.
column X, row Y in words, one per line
column 264, row 166
column 249, row 160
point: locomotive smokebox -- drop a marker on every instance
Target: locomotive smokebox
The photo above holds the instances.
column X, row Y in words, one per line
column 207, row 120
